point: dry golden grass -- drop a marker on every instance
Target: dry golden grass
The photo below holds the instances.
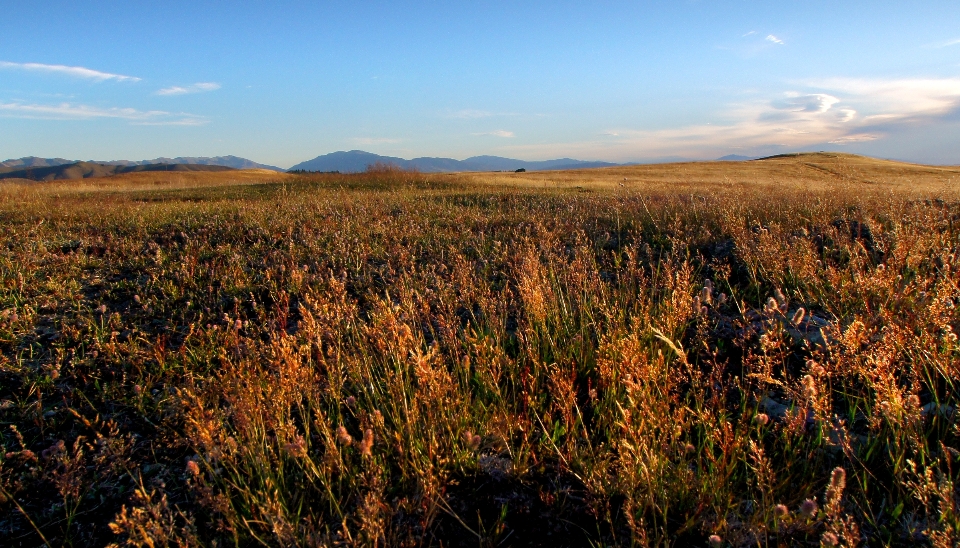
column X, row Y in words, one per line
column 812, row 171
column 736, row 354
column 147, row 180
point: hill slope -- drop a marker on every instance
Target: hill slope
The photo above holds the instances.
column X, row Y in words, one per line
column 84, row 170
column 227, row 161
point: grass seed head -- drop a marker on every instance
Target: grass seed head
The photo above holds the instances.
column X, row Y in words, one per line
column 366, row 445
column 808, row 508
column 343, row 436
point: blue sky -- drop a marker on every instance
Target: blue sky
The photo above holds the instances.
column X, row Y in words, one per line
column 282, row 82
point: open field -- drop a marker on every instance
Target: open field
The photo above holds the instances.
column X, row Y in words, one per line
column 760, row 351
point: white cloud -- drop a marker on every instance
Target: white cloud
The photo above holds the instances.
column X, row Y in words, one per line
column 946, row 44
column 374, row 140
column 812, row 102
column 855, row 138
column 774, row 39
column 70, row 111
column 836, row 110
column 472, row 114
column 199, row 87
column 897, row 98
column 469, row 114
column 77, row 72
column 497, row 133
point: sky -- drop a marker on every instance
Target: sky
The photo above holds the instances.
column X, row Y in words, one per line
column 282, row 82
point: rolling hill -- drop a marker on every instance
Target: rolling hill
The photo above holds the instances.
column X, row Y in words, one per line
column 227, row 161
column 84, row 170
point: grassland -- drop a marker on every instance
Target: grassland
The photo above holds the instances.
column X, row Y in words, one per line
column 737, row 354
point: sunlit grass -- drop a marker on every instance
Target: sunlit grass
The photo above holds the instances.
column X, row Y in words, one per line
column 734, row 354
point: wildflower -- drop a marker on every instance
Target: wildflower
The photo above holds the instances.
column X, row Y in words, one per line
column 838, row 480
column 102, row 309
column 829, row 539
column 715, row 541
column 366, row 446
column 722, row 299
column 798, row 316
column 192, row 468
column 238, row 325
column 343, row 436
column 706, row 295
column 350, row 401
column 771, row 308
column 781, row 299
column 689, row 448
column 809, row 508
column 297, row 447
column 761, row 418
column 809, row 386
column 53, row 450
column 472, row 440
column 136, row 299
column 137, row 389
column 781, row 510
column 885, row 408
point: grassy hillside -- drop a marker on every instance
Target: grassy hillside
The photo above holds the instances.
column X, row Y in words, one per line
column 741, row 354
column 86, row 170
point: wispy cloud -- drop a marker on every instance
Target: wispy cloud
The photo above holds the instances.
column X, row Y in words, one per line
column 774, row 39
column 76, row 72
column 498, row 133
column 839, row 111
column 71, row 111
column 945, row 44
column 472, row 114
column 374, row 140
column 199, row 87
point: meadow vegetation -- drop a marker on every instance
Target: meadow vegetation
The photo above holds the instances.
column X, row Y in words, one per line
column 725, row 354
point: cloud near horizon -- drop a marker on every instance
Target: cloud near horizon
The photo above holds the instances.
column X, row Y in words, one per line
column 498, row 133
column 77, row 72
column 838, row 111
column 473, row 114
column 199, row 87
column 373, row 140
column 70, row 111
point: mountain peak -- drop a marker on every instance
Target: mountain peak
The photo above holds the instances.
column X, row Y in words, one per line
column 357, row 160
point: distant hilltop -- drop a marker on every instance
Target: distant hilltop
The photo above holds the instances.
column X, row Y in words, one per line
column 352, row 161
column 358, row 160
column 234, row 162
column 84, row 170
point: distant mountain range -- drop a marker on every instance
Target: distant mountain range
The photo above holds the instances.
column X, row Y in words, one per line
column 83, row 170
column 225, row 161
column 345, row 162
column 358, row 160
